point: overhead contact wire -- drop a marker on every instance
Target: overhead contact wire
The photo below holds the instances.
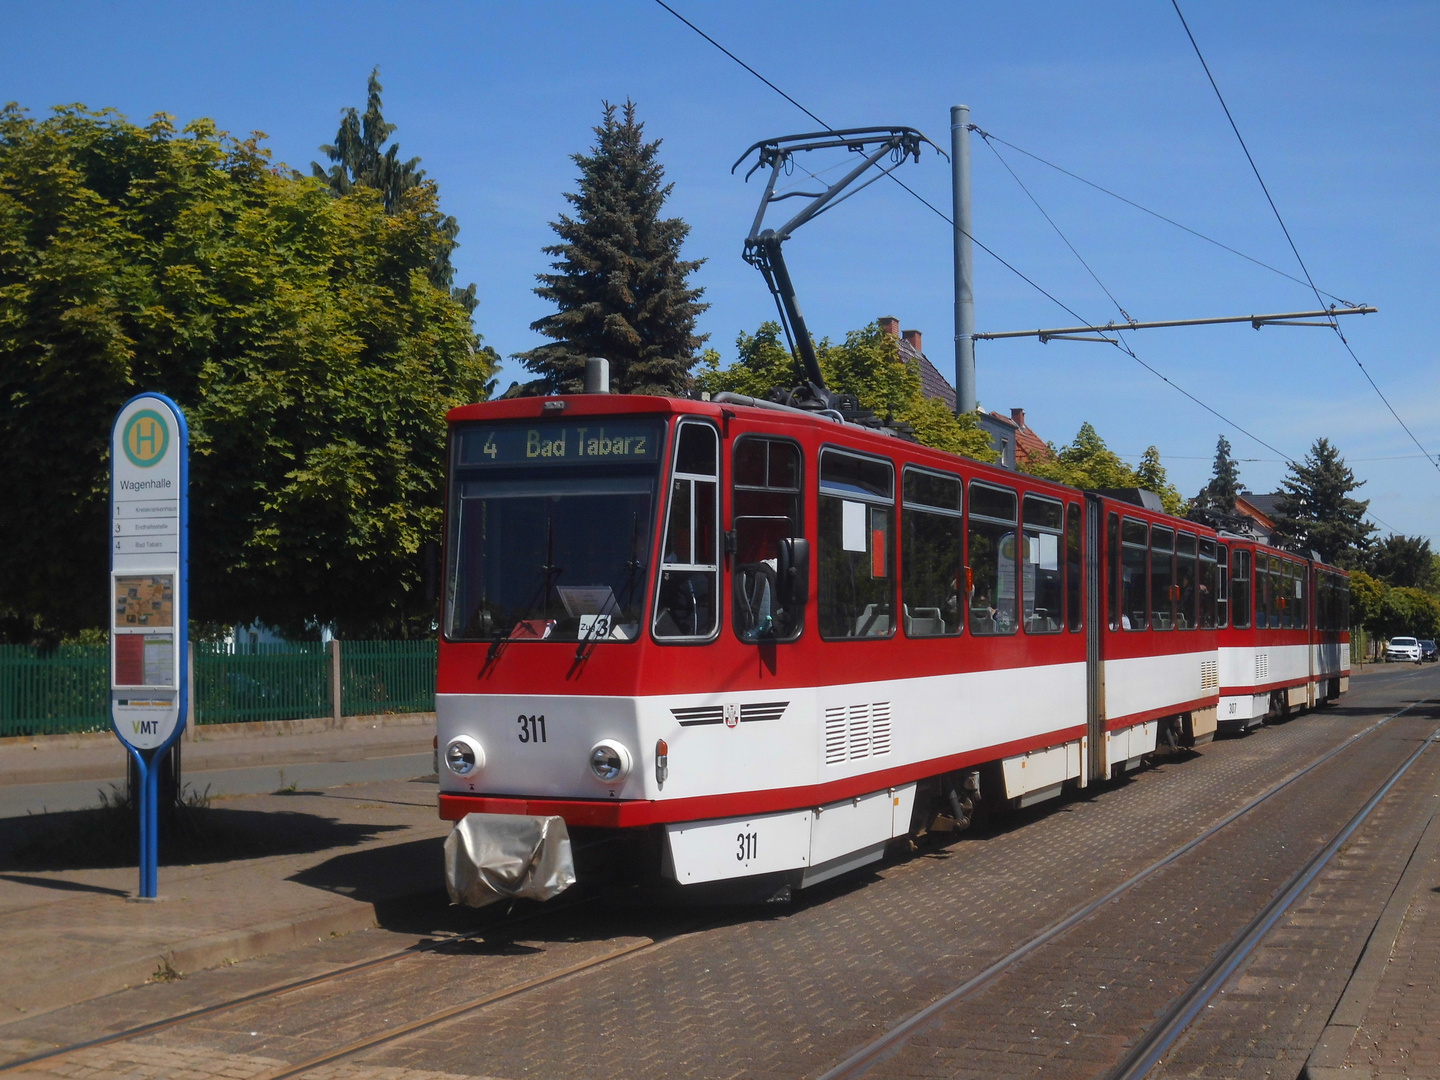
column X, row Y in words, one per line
column 1334, row 323
column 992, row 137
column 946, row 218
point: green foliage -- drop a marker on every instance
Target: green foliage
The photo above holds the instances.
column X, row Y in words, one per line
column 1316, row 511
column 1219, row 494
column 1405, row 561
column 620, row 286
column 868, row 365
column 301, row 333
column 1087, row 463
column 1386, row 611
column 362, row 160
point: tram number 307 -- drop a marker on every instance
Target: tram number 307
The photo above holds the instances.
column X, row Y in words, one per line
column 748, row 845
column 532, row 728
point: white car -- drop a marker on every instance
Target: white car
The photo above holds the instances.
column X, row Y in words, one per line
column 1402, row 648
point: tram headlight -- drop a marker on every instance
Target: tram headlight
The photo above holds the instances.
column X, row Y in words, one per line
column 464, row 756
column 610, row 761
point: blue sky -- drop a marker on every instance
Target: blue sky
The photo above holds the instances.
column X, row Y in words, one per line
column 1336, row 101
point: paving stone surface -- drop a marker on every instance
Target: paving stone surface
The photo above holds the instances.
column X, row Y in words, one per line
column 789, row 992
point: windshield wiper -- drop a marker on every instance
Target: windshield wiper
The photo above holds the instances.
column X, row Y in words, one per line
column 549, row 575
column 633, row 577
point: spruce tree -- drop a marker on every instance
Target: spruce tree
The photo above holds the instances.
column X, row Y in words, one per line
column 619, row 285
column 1219, row 494
column 1316, row 511
column 362, row 160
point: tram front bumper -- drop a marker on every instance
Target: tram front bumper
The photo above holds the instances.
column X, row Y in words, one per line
column 489, row 857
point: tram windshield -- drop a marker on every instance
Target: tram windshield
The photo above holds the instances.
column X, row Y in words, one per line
column 550, row 527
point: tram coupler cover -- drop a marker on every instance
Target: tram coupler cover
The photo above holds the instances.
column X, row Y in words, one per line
column 491, row 857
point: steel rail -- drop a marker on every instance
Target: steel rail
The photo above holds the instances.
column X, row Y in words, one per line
column 1151, row 1046
column 281, row 990
column 859, row 1062
column 443, row 1015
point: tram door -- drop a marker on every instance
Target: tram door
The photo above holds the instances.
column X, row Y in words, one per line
column 1094, row 766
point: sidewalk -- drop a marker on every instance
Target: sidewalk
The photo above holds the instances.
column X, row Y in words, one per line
column 268, row 872
column 62, row 772
column 1384, row 1025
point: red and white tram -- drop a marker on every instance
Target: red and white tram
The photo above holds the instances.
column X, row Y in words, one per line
column 1287, row 644
column 745, row 643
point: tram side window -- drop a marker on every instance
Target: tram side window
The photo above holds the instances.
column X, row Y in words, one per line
column 1344, row 586
column 856, row 547
column 994, row 607
column 1041, row 573
column 1222, row 592
column 1208, row 586
column 1284, row 584
column 1134, row 553
column 765, row 509
column 1186, row 615
column 1074, row 602
column 1263, row 591
column 685, row 603
column 1302, row 601
column 1275, row 593
column 1112, row 548
column 1162, row 578
column 932, row 538
column 1240, row 589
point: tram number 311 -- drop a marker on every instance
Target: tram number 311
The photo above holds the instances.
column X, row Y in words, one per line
column 532, row 728
column 748, row 842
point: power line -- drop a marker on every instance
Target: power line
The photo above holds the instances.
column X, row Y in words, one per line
column 1118, row 341
column 998, row 157
column 989, row 137
column 1335, row 325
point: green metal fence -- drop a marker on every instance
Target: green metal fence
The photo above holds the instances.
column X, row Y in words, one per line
column 237, row 683
column 387, row 676
column 66, row 690
column 54, row 691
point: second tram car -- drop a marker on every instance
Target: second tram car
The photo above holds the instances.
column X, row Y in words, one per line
column 735, row 642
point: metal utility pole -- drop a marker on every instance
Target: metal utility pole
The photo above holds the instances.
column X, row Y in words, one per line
column 964, row 261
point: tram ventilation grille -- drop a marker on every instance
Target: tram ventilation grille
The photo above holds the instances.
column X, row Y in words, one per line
column 856, row 731
column 1209, row 674
column 1262, row 666
column 835, row 735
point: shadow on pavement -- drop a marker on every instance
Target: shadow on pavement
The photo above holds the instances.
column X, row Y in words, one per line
column 378, row 874
column 108, row 836
column 63, row 885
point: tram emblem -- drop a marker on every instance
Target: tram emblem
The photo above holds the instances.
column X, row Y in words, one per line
column 732, row 713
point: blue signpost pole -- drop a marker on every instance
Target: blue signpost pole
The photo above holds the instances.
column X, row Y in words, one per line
column 149, row 596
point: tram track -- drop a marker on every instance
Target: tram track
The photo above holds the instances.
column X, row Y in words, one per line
column 1148, row 1050
column 273, row 993
column 857, row 1063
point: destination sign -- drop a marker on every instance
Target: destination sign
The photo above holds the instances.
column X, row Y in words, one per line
column 577, row 442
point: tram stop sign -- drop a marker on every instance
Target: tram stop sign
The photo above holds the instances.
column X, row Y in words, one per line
column 149, row 519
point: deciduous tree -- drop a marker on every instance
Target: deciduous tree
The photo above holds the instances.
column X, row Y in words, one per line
column 620, row 288
column 867, row 364
column 301, row 333
column 1086, row 462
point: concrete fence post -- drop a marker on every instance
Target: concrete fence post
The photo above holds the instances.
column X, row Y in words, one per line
column 336, row 699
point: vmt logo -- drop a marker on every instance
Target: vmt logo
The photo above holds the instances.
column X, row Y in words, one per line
column 146, row 727
column 146, row 438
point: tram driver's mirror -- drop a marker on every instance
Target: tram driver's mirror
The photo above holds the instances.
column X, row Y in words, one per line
column 792, row 573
